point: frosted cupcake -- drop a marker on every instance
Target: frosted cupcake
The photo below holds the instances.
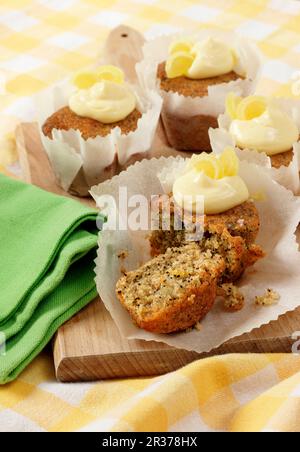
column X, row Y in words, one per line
column 98, row 126
column 97, row 106
column 194, row 75
column 270, row 127
column 231, row 221
column 236, row 228
column 263, row 125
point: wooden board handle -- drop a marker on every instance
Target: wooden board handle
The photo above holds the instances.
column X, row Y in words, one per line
column 123, row 48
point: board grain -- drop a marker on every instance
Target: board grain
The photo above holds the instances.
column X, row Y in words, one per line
column 89, row 346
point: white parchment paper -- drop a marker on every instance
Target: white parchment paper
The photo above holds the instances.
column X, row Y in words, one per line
column 279, row 270
column 250, row 63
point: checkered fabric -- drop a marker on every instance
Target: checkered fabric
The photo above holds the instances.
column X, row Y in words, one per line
column 235, row 393
column 41, row 42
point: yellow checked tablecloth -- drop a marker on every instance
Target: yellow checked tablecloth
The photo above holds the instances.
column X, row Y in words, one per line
column 237, row 393
column 41, row 42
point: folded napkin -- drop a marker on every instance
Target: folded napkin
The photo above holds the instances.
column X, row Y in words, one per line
column 47, row 251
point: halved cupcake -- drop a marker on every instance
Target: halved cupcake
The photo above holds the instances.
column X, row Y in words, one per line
column 172, row 291
column 230, row 224
column 209, row 241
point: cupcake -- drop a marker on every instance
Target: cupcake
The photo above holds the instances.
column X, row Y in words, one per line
column 267, row 126
column 100, row 125
column 231, row 221
column 173, row 291
column 247, row 216
column 194, row 76
column 178, row 287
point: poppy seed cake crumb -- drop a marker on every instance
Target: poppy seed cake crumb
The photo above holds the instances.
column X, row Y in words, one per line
column 233, row 299
column 123, row 254
column 269, row 298
column 173, row 291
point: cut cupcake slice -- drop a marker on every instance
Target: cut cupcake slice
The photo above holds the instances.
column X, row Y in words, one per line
column 231, row 234
column 209, row 204
column 173, row 291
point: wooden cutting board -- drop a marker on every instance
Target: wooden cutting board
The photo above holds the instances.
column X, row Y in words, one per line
column 89, row 346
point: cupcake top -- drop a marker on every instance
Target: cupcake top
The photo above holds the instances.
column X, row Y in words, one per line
column 200, row 59
column 258, row 123
column 213, row 180
column 102, row 95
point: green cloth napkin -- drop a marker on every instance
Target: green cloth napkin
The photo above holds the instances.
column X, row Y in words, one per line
column 47, row 250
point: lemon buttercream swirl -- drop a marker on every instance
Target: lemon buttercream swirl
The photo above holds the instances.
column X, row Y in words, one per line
column 215, row 179
column 102, row 95
column 200, row 60
column 259, row 124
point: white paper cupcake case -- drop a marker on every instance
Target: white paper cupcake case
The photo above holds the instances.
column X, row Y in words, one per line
column 288, row 176
column 156, row 51
column 279, row 270
column 101, row 157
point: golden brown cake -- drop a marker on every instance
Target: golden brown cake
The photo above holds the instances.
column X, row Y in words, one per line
column 189, row 87
column 283, row 159
column 66, row 119
column 173, row 291
column 231, row 234
column 190, row 134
